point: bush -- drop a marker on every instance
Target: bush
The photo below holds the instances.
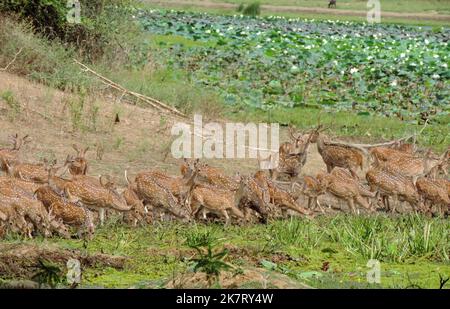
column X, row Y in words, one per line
column 101, row 21
column 48, row 62
column 253, row 9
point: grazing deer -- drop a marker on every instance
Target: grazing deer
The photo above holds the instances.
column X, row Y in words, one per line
column 312, row 189
column 78, row 165
column 9, row 156
column 433, row 194
column 280, row 197
column 350, row 191
column 13, row 216
column 331, row 4
column 97, row 196
column 215, row 200
column 386, row 184
column 74, row 215
column 69, row 213
column 208, row 174
column 335, row 155
column 155, row 194
column 255, row 196
column 138, row 213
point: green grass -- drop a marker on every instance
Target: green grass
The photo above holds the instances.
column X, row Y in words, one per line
column 362, row 128
column 40, row 59
column 413, row 250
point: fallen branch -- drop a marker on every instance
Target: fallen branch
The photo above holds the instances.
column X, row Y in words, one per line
column 363, row 146
column 151, row 101
column 12, row 61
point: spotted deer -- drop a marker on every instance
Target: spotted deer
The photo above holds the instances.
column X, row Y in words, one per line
column 410, row 166
column 280, row 197
column 96, row 196
column 215, row 200
column 209, row 174
column 29, row 172
column 433, row 194
column 295, row 146
column 78, row 165
column 338, row 155
column 74, row 215
column 347, row 189
column 9, row 156
column 13, row 216
column 23, row 186
column 388, row 184
column 255, row 196
column 69, row 213
column 157, row 195
column 139, row 213
column 292, row 158
column 312, row 189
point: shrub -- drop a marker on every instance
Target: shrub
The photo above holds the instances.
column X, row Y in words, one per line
column 253, row 9
column 100, row 21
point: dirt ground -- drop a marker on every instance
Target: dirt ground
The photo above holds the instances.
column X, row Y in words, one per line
column 297, row 9
column 139, row 141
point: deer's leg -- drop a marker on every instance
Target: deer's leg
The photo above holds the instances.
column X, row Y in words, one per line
column 316, row 202
column 101, row 213
column 396, row 201
column 351, row 205
column 225, row 214
column 354, row 174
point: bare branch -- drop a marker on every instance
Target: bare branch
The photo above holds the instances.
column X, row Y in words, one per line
column 12, row 61
column 151, row 101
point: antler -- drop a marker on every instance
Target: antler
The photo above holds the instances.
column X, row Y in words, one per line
column 126, row 178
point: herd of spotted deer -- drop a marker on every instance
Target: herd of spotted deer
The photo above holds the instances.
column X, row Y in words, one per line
column 37, row 198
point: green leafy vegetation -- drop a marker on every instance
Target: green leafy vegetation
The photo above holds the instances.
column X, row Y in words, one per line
column 269, row 62
column 209, row 259
column 326, row 252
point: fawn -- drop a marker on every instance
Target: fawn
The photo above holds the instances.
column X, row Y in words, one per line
column 78, row 165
